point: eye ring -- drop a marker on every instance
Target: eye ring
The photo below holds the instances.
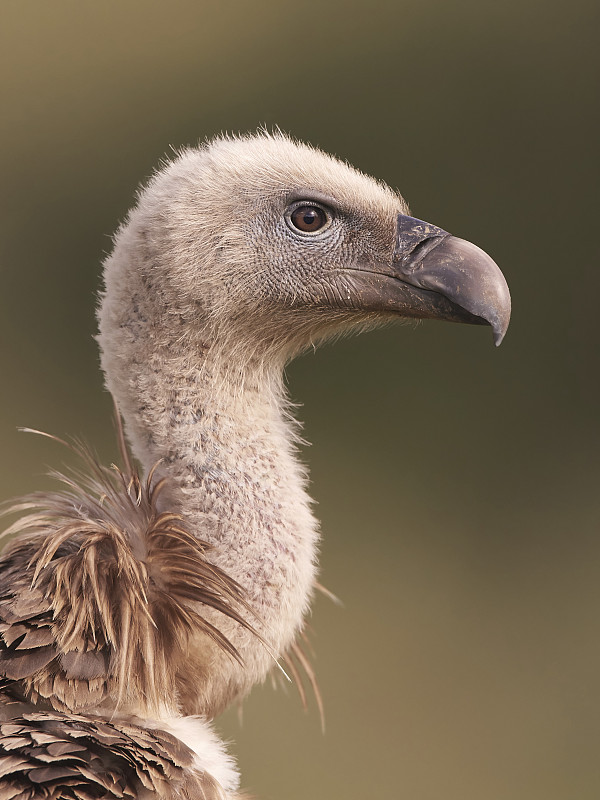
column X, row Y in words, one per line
column 308, row 217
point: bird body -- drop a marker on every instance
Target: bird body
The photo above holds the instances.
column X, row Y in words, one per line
column 168, row 597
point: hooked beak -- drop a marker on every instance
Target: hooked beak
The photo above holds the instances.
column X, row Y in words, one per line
column 432, row 275
column 429, row 258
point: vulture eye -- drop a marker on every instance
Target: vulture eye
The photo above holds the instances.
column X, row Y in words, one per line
column 308, row 218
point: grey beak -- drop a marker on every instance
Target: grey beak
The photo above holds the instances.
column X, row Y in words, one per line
column 430, row 258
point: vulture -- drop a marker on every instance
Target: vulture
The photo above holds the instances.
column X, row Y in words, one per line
column 137, row 603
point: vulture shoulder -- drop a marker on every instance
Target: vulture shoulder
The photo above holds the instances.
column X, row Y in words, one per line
column 99, row 593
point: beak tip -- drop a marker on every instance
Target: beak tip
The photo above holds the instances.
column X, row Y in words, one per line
column 429, row 258
column 500, row 322
column 475, row 282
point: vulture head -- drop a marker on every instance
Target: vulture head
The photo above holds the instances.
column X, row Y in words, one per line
column 267, row 245
column 238, row 255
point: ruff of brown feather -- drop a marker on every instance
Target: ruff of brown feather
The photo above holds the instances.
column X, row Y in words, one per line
column 101, row 591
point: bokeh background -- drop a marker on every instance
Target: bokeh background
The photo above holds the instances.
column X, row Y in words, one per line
column 457, row 484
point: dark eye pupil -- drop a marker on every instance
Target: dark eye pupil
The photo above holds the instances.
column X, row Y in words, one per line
column 309, row 218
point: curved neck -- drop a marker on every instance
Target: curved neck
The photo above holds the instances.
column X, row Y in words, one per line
column 227, row 446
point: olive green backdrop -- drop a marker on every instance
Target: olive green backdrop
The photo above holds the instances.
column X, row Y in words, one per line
column 457, row 484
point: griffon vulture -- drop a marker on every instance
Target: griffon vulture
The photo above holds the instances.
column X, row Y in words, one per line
column 132, row 611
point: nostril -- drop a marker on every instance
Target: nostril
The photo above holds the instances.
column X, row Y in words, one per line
column 411, row 260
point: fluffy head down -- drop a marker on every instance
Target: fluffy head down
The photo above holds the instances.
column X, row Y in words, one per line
column 209, row 244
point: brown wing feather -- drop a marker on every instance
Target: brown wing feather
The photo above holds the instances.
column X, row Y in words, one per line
column 75, row 757
column 99, row 594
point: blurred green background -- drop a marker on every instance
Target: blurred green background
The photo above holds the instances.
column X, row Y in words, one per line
column 457, row 484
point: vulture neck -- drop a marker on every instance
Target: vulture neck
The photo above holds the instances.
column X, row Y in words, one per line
column 219, row 423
